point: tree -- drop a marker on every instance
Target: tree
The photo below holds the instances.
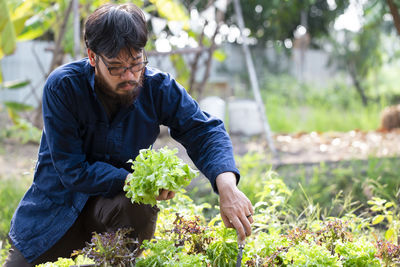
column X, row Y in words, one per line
column 53, row 21
column 278, row 20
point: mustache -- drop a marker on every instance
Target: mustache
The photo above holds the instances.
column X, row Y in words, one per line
column 131, row 83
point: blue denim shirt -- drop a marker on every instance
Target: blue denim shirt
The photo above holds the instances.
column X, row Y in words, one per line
column 83, row 154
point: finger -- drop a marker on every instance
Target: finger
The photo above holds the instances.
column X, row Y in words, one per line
column 170, row 194
column 251, row 208
column 249, row 217
column 162, row 194
column 226, row 221
column 246, row 224
column 237, row 224
column 250, row 213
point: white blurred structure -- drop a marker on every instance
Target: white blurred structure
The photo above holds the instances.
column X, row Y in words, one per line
column 244, row 117
column 214, row 106
column 30, row 62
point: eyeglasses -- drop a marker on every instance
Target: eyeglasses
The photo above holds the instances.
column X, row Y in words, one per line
column 119, row 71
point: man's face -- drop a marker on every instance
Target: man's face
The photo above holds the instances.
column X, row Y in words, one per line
column 120, row 76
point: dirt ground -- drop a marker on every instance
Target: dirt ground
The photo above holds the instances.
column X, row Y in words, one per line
column 17, row 159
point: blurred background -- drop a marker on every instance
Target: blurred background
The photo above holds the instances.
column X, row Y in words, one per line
column 308, row 88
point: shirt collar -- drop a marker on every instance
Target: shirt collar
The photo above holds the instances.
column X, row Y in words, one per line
column 90, row 73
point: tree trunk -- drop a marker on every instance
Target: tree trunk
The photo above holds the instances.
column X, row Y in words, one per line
column 395, row 14
column 357, row 84
column 194, row 64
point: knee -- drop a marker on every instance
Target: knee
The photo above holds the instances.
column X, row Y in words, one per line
column 122, row 204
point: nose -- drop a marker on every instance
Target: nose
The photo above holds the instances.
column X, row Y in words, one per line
column 129, row 75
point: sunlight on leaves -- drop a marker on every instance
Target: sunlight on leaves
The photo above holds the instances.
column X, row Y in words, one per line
column 172, row 11
column 7, row 39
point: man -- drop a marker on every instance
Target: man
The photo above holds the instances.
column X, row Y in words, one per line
column 98, row 113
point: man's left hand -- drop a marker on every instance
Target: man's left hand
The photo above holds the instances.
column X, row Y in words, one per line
column 165, row 194
column 235, row 208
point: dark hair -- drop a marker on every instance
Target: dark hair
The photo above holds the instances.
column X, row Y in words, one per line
column 112, row 28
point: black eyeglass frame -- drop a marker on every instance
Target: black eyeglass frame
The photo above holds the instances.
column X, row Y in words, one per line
column 119, row 71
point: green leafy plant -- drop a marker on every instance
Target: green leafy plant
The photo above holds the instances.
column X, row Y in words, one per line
column 223, row 250
column 280, row 237
column 156, row 170
column 388, row 252
column 358, row 253
column 306, row 254
column 111, row 248
column 162, row 252
column 382, row 209
column 332, row 232
column 68, row 262
column 191, row 234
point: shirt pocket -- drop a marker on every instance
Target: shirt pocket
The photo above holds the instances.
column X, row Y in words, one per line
column 36, row 212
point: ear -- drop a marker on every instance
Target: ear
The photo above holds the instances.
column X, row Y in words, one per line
column 92, row 57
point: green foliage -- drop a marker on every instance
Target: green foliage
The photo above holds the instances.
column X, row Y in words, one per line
column 156, row 170
column 276, row 20
column 161, row 252
column 331, row 108
column 332, row 242
column 166, row 253
column 22, row 131
column 111, row 248
column 388, row 252
column 305, row 254
column 182, row 70
column 223, row 249
column 385, row 210
column 15, row 84
column 4, row 248
column 357, row 253
column 330, row 189
column 10, row 194
column 7, row 32
column 181, row 243
column 287, row 240
column 171, row 9
column 67, row 262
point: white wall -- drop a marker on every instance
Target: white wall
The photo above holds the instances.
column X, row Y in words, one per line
column 23, row 65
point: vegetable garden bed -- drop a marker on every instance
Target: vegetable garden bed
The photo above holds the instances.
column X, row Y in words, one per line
column 280, row 237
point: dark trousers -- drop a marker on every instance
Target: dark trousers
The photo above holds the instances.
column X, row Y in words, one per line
column 99, row 215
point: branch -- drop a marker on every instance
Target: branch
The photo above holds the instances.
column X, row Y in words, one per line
column 195, row 63
column 211, row 50
column 63, row 29
column 181, row 51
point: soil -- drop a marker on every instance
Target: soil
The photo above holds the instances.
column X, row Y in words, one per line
column 302, row 148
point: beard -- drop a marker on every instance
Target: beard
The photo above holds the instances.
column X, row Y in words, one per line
column 124, row 99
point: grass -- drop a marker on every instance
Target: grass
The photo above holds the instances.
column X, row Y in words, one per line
column 294, row 107
column 320, row 184
column 314, row 118
column 11, row 193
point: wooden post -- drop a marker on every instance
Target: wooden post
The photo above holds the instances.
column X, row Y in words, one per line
column 254, row 81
